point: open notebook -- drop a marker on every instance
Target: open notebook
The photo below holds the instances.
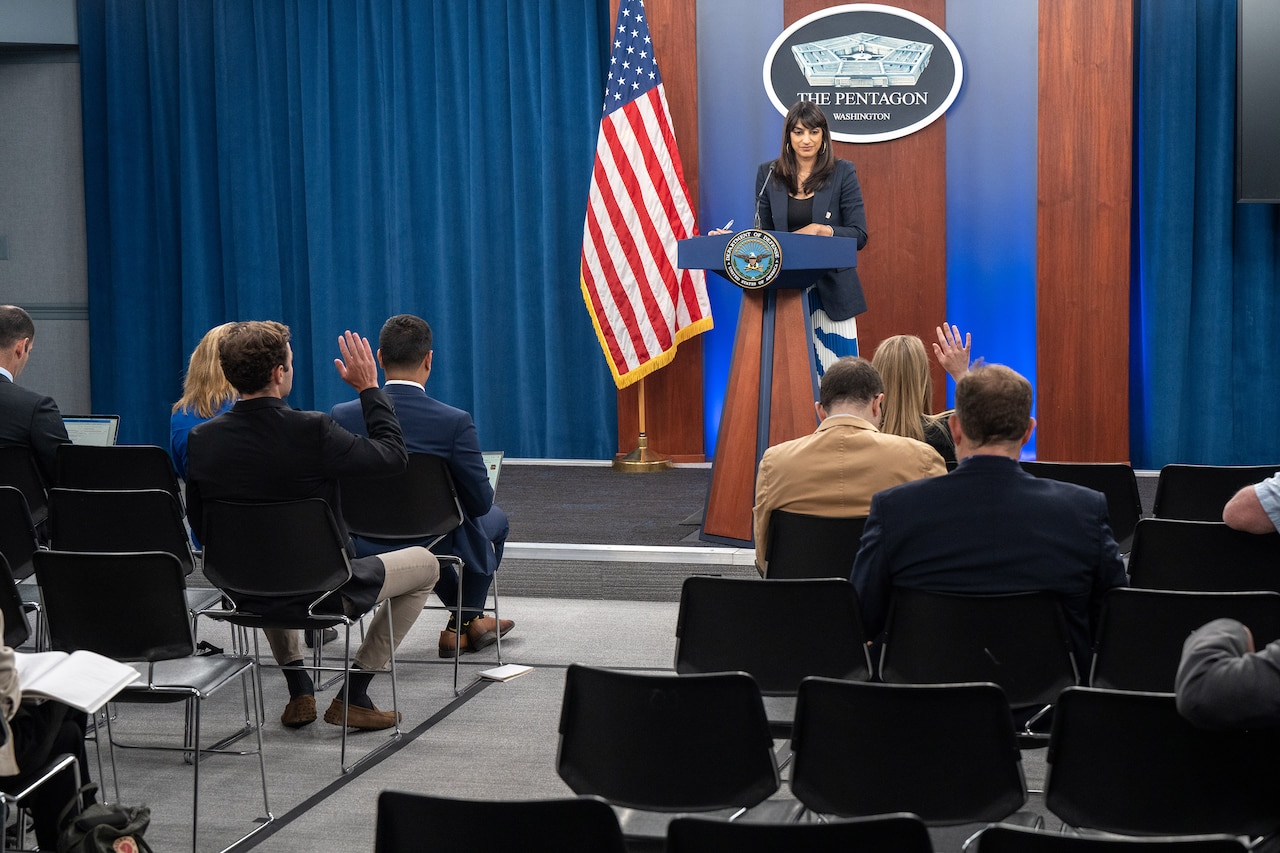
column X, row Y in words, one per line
column 99, row 430
column 493, row 464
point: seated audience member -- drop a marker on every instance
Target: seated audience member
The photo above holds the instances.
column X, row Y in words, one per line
column 206, row 393
column 27, row 419
column 1224, row 683
column 32, row 733
column 1256, row 508
column 835, row 471
column 988, row 526
column 430, row 426
column 903, row 364
column 262, row 450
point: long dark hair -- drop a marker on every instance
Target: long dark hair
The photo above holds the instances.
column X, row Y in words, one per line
column 786, row 170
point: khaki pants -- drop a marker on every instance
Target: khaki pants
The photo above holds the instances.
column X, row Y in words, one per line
column 410, row 575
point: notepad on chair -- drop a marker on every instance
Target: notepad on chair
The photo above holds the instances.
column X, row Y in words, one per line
column 506, row 672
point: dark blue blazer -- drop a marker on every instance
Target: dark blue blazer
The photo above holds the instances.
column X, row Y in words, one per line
column 989, row 527
column 838, row 204
column 430, row 426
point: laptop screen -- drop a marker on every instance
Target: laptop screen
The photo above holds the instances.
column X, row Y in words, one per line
column 98, row 430
column 493, row 463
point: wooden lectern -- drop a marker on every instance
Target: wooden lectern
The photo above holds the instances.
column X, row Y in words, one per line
column 773, row 378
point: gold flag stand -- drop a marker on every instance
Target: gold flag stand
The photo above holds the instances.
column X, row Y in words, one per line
column 642, row 460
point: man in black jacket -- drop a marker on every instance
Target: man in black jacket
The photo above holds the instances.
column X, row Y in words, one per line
column 27, row 419
column 262, row 450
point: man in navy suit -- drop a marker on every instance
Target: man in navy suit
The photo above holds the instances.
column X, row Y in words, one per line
column 988, row 526
column 27, row 419
column 430, row 426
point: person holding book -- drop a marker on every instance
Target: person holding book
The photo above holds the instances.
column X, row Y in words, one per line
column 32, row 733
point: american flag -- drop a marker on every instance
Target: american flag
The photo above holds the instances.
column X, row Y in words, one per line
column 642, row 306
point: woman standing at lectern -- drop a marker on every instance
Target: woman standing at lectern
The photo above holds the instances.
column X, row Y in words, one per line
column 808, row 191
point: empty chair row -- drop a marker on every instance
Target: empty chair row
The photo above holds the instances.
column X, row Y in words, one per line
column 657, row 745
column 418, row 823
column 781, row 631
column 83, row 466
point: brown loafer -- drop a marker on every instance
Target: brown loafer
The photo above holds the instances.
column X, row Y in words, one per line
column 368, row 719
column 299, row 712
column 449, row 643
column 484, row 631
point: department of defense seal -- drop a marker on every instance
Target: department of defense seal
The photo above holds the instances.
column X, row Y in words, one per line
column 752, row 259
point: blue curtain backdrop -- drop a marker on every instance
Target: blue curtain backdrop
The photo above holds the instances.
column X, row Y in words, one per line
column 1205, row 311
column 330, row 164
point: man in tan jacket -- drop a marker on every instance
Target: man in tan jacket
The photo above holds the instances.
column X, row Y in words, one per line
column 835, row 471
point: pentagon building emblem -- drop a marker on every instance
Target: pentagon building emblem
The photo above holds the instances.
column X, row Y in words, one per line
column 877, row 72
column 752, row 259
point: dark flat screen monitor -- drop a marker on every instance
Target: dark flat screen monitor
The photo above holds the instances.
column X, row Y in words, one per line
column 1258, row 101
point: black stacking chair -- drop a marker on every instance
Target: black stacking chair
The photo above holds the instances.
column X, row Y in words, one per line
column 665, row 743
column 945, row 752
column 1002, row 838
column 1141, row 631
column 811, row 546
column 125, row 520
column 733, row 624
column 280, row 565
column 16, row 628
column 1202, row 555
column 1199, row 492
column 1116, row 480
column 18, row 541
column 1018, row 641
column 130, row 607
column 64, row 763
column 18, row 469
column 417, row 823
column 418, row 505
column 116, row 467
column 1127, row 762
column 899, row 832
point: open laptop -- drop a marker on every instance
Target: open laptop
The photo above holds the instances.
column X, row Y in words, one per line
column 100, row 430
column 493, row 464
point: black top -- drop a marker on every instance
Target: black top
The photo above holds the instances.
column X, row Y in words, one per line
column 937, row 434
column 799, row 212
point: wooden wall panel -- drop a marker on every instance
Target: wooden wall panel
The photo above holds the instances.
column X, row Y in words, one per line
column 1084, row 166
column 673, row 395
column 904, row 265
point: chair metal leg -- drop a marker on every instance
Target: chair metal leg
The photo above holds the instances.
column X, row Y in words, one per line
column 457, row 623
column 493, row 588
column 395, row 705
column 197, row 701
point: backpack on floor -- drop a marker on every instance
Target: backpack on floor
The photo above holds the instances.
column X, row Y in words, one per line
column 102, row 827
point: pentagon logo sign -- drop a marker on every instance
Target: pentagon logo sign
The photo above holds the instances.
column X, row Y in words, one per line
column 878, row 72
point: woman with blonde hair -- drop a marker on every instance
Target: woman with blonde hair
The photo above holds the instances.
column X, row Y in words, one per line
column 903, row 366
column 206, row 393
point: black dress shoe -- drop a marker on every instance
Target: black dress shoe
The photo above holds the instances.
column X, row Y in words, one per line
column 329, row 635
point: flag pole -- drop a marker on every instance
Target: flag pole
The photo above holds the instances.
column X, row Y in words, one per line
column 642, row 460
